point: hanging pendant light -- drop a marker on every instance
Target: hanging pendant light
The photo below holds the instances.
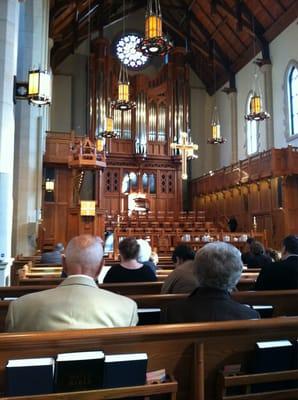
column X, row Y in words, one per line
column 216, row 138
column 123, row 103
column 256, row 110
column 109, row 132
column 154, row 43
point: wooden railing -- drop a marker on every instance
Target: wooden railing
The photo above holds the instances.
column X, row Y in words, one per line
column 268, row 164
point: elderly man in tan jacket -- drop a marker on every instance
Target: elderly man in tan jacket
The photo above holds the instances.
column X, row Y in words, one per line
column 77, row 303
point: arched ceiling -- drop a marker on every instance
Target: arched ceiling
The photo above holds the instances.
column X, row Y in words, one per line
column 223, row 33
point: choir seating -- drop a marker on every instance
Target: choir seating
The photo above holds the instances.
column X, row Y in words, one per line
column 193, row 353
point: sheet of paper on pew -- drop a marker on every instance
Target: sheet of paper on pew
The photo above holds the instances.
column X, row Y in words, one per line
column 149, row 316
column 79, row 371
column 122, row 370
column 28, row 377
column 103, row 273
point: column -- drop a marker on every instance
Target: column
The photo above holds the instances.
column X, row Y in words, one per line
column 234, row 126
column 31, row 125
column 268, row 103
column 9, row 17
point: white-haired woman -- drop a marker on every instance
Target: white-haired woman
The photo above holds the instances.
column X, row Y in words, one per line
column 218, row 268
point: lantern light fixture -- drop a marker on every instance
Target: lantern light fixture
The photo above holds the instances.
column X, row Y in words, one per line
column 49, row 185
column 154, row 42
column 37, row 90
column 216, row 138
column 256, row 109
column 123, row 103
column 39, row 87
column 109, row 132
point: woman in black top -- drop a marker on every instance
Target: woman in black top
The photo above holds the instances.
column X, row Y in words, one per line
column 129, row 269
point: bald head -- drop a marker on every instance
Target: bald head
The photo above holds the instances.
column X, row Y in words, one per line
column 83, row 255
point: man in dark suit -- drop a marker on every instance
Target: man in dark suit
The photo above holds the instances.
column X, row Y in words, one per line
column 53, row 257
column 218, row 267
column 282, row 274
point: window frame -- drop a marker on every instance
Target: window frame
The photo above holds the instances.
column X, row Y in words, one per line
column 287, row 107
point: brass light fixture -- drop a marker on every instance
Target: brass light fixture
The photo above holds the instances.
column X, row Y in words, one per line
column 216, row 138
column 49, row 185
column 39, row 87
column 123, row 103
column 256, row 109
column 109, row 132
column 154, row 42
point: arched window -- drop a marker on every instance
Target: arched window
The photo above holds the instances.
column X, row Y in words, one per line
column 251, row 131
column 152, row 184
column 293, row 99
column 145, row 182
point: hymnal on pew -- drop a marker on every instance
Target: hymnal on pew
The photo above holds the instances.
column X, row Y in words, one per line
column 30, row 376
column 79, row 371
column 272, row 356
column 148, row 316
column 125, row 370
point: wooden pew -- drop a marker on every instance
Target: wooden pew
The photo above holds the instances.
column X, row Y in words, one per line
column 193, row 353
column 284, row 302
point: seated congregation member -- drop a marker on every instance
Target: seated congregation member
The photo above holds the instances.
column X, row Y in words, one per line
column 53, row 257
column 77, row 303
column 246, row 254
column 144, row 254
column 218, row 268
column 257, row 256
column 129, row 269
column 182, row 279
column 282, row 274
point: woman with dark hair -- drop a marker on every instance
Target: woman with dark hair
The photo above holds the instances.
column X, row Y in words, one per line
column 257, row 257
column 182, row 279
column 129, row 269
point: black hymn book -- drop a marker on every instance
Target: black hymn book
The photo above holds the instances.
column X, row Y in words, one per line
column 79, row 371
column 33, row 376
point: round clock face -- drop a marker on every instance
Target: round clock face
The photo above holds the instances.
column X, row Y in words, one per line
column 127, row 53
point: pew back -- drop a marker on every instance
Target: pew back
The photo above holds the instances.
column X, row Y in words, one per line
column 193, row 353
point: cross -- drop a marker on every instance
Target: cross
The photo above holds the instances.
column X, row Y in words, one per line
column 187, row 149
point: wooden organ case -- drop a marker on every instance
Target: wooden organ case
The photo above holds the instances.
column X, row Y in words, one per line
column 140, row 162
column 141, row 168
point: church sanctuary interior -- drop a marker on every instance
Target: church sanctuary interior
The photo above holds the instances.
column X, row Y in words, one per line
column 169, row 121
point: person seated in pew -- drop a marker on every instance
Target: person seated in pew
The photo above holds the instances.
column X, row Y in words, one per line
column 182, row 279
column 257, row 256
column 77, row 303
column 246, row 253
column 144, row 254
column 129, row 269
column 282, row 274
column 53, row 257
column 218, row 268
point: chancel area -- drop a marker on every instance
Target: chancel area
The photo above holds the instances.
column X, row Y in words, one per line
column 148, row 202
